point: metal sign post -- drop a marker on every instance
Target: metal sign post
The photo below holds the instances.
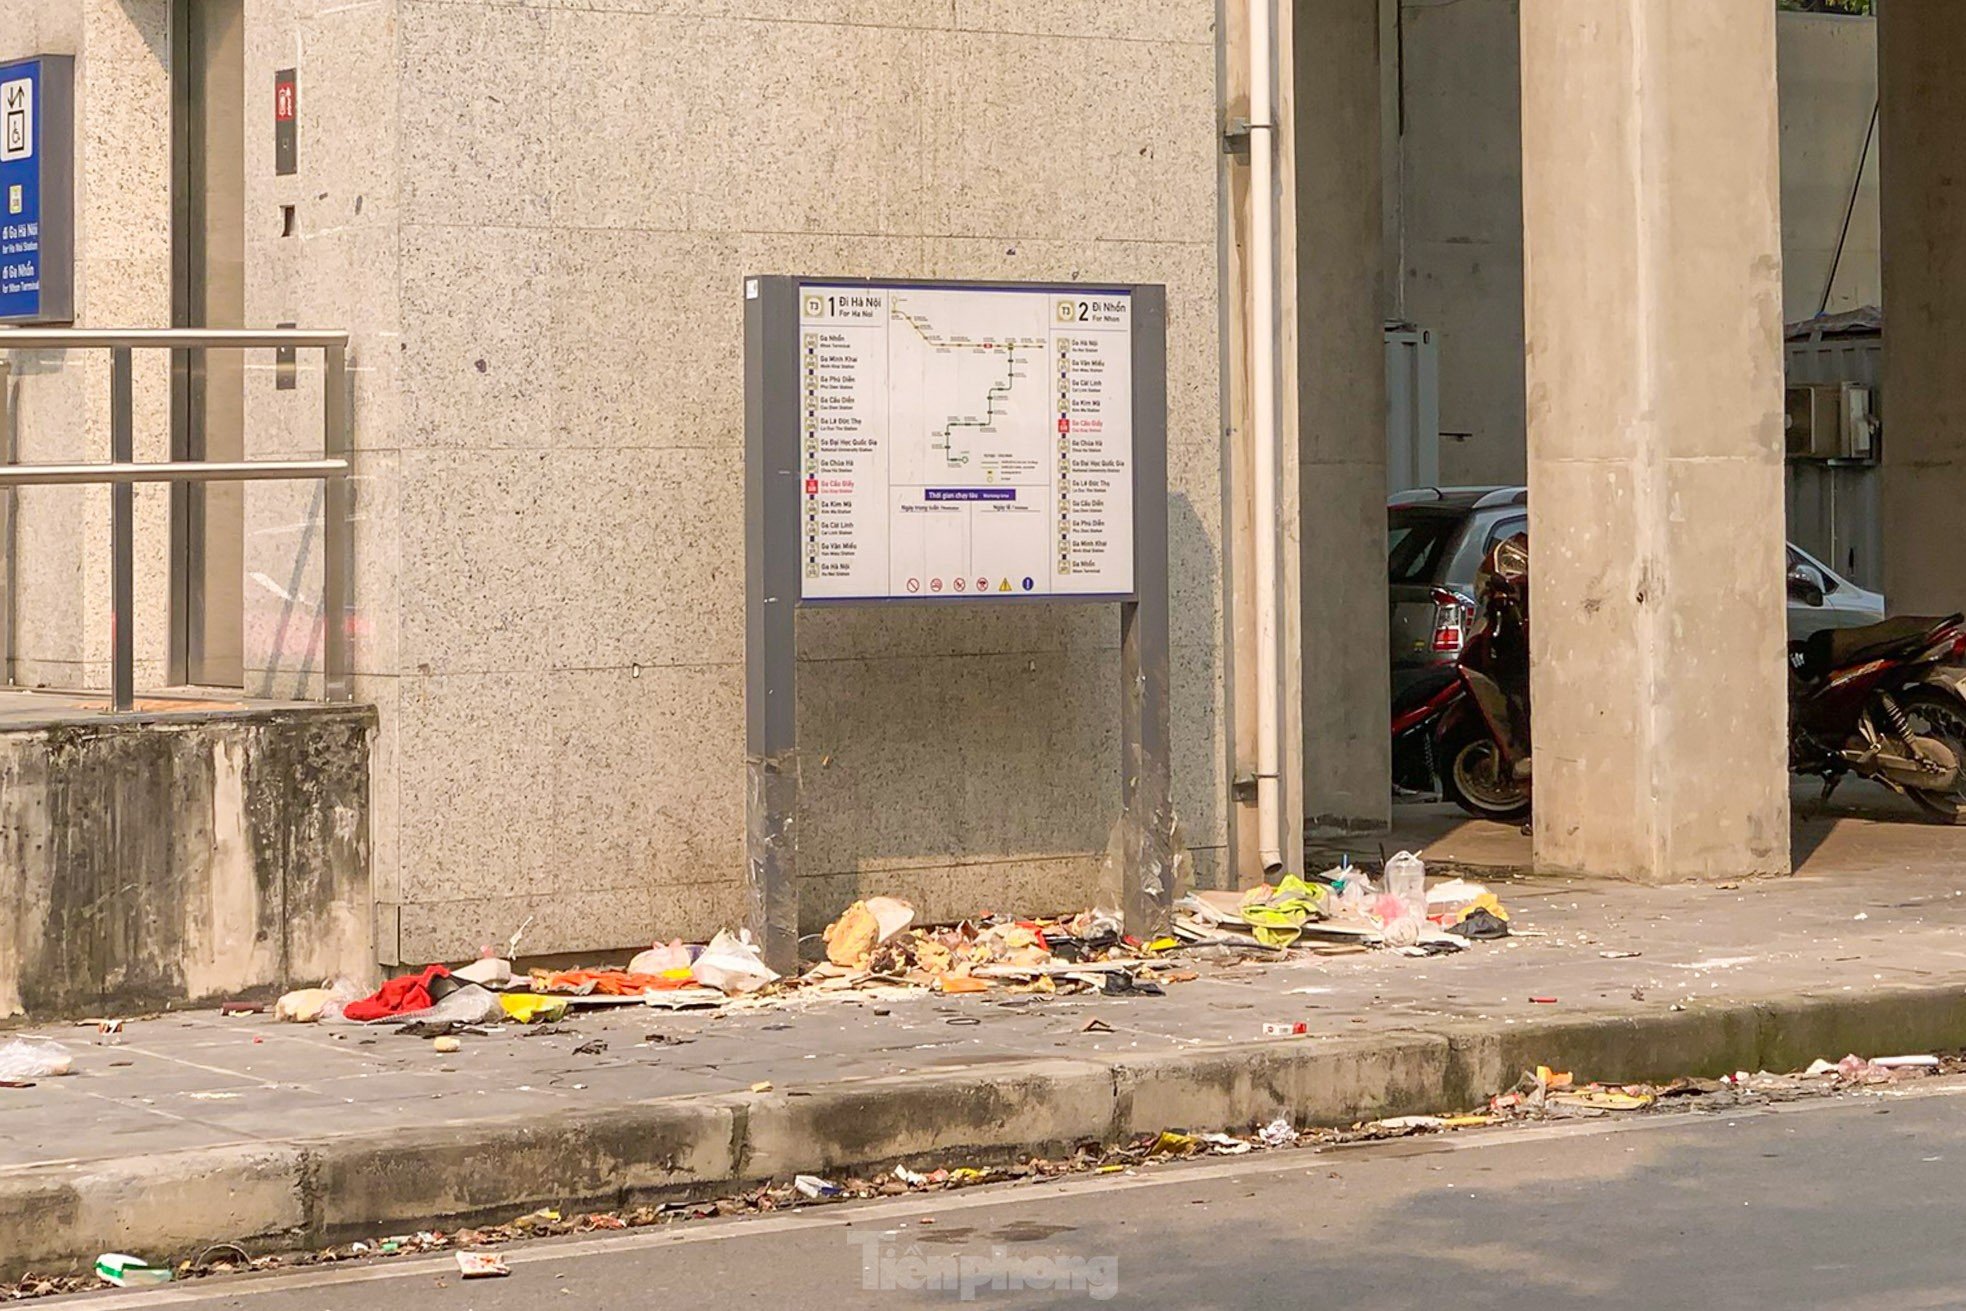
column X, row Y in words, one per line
column 953, row 443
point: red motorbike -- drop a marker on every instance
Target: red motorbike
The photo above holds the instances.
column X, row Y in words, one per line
column 1885, row 702
column 1472, row 729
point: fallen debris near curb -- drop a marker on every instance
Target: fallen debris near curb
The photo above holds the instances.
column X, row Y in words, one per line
column 1540, row 1095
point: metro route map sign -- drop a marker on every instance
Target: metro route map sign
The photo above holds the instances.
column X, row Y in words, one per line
column 959, row 444
column 965, row 441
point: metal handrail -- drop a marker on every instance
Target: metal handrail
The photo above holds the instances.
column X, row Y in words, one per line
column 171, row 471
column 123, row 472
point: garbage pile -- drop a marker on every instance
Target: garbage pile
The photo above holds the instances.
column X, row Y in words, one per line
column 1342, row 907
column 1087, row 952
column 873, row 947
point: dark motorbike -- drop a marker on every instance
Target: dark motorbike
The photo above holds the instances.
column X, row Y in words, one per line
column 1470, row 727
column 1886, row 702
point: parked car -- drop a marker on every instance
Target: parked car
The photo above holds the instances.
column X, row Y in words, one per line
column 1435, row 543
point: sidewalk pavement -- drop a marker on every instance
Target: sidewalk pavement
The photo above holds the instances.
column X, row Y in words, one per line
column 194, row 1129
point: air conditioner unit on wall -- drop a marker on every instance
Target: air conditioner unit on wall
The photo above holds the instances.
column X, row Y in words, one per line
column 1830, row 421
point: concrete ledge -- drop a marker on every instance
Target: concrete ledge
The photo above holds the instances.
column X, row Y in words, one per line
column 58, row 1217
column 324, row 1190
column 1036, row 1106
column 478, row 1173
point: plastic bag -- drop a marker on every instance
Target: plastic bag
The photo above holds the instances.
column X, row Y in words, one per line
column 34, row 1058
column 308, row 1005
column 470, row 1004
column 659, row 958
column 731, row 964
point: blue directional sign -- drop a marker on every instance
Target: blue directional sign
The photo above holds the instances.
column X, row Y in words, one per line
column 37, row 190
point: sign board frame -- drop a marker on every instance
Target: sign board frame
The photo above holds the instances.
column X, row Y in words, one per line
column 773, row 598
column 42, row 184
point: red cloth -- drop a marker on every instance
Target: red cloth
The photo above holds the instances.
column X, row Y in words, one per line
column 409, row 993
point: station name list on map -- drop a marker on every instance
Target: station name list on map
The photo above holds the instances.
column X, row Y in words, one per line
column 965, row 442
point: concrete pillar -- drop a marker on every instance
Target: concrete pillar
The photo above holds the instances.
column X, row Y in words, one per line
column 1654, row 362
column 1922, row 135
column 1337, row 393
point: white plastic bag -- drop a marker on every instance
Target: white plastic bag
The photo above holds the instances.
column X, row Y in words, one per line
column 657, row 959
column 731, row 964
column 34, row 1058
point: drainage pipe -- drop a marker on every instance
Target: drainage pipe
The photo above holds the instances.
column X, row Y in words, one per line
column 1263, row 344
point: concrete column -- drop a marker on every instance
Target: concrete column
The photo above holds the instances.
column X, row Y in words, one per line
column 1337, row 394
column 1652, row 311
column 1922, row 136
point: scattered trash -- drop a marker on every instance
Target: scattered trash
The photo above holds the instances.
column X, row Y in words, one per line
column 1096, row 1025
column 301, row 1006
column 913, row 1178
column 1409, row 1123
column 482, row 1265
column 309, row 1005
column 762, row 1085
column 445, row 1046
column 1602, row 1099
column 592, row 1047
column 851, row 939
column 1297, row 1029
column 532, row 1008
column 1856, row 1071
column 731, row 964
column 1228, row 1145
column 401, row 996
column 811, row 1185
column 1406, row 883
column 488, row 970
column 1277, row 915
column 662, row 958
column 34, row 1058
column 1543, row 1001
column 1175, row 1144
column 1277, row 1133
column 127, row 1271
column 1621, row 955
column 241, row 1008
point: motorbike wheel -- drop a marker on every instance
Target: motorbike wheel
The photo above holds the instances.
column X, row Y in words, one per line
column 1474, row 778
column 1942, row 716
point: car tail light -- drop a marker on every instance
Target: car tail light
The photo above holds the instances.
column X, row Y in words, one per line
column 1451, row 615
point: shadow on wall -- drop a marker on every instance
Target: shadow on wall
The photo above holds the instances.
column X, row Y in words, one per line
column 968, row 757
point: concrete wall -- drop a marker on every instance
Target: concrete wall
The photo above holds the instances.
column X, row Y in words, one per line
column 581, row 193
column 534, row 218
column 1460, row 157
column 146, row 863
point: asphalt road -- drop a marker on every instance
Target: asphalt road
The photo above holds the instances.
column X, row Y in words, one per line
column 1850, row 1202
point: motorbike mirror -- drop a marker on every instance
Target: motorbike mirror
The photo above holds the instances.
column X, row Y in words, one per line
column 1511, row 558
column 1805, row 585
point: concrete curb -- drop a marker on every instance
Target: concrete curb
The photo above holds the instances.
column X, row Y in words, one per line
column 314, row 1191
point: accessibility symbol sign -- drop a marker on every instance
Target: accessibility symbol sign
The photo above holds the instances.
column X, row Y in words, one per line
column 17, row 119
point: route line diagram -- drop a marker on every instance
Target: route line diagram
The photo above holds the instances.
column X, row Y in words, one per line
column 999, row 391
